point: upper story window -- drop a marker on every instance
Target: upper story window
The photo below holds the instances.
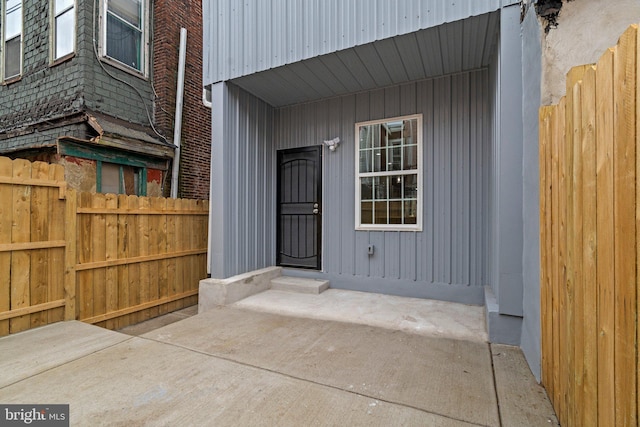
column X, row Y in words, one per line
column 64, row 28
column 124, row 32
column 12, row 39
column 389, row 174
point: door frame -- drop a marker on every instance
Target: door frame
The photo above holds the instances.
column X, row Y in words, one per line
column 319, row 187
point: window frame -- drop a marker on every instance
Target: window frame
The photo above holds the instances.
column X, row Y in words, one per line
column 3, row 39
column 144, row 50
column 140, row 187
column 54, row 33
column 418, row 172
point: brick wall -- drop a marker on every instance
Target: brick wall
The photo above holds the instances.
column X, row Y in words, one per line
column 170, row 16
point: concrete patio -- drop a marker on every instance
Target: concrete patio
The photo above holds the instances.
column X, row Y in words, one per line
column 353, row 359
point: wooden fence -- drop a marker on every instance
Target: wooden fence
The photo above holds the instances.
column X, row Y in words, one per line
column 590, row 235
column 100, row 258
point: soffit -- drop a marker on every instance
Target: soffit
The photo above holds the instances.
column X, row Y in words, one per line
column 446, row 49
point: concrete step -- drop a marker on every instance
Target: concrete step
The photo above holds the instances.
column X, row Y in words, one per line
column 299, row 284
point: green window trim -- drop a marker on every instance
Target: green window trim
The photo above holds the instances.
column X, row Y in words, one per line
column 140, row 186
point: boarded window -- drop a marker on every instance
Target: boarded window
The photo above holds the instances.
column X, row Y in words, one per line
column 120, row 179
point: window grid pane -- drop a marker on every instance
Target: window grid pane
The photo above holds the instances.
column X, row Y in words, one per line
column 62, row 5
column 64, row 33
column 12, row 57
column 13, row 19
column 129, row 11
column 125, row 32
column 123, row 42
column 388, row 169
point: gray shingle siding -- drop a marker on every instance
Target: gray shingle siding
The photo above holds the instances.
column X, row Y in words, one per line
column 47, row 92
column 43, row 138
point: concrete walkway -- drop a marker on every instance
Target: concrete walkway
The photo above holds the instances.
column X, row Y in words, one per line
column 236, row 366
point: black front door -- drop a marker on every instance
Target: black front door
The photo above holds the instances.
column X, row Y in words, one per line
column 299, row 208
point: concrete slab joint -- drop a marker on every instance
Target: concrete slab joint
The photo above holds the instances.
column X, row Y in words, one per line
column 217, row 292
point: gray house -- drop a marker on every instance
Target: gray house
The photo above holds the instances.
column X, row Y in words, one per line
column 422, row 195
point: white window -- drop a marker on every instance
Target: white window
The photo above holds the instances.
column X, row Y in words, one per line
column 64, row 28
column 12, row 38
column 389, row 174
column 124, row 33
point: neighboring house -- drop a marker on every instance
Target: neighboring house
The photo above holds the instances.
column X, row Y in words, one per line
column 433, row 189
column 91, row 85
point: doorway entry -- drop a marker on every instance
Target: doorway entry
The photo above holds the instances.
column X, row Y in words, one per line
column 299, row 210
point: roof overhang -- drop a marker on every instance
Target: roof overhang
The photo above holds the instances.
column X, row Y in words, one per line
column 446, row 49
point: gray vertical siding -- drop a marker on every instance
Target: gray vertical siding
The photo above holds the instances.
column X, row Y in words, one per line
column 242, row 37
column 531, row 78
column 243, row 165
column 451, row 249
column 507, row 179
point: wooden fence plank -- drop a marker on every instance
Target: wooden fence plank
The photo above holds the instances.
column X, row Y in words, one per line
column 605, row 234
column 111, row 253
column 172, row 245
column 133, row 242
column 40, row 233
column 550, row 246
column 163, row 270
column 196, row 235
column 562, row 261
column 570, row 227
column 555, row 272
column 6, row 217
column 30, row 182
column 181, row 244
column 637, row 220
column 21, row 260
column 99, row 253
column 70, row 256
column 545, row 206
column 26, row 246
column 143, row 250
column 589, row 406
column 85, row 255
column 56, row 232
column 37, row 309
column 138, row 259
column 126, row 211
column 155, row 244
column 188, row 264
column 624, row 67
column 141, row 307
column 576, row 340
column 124, row 300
